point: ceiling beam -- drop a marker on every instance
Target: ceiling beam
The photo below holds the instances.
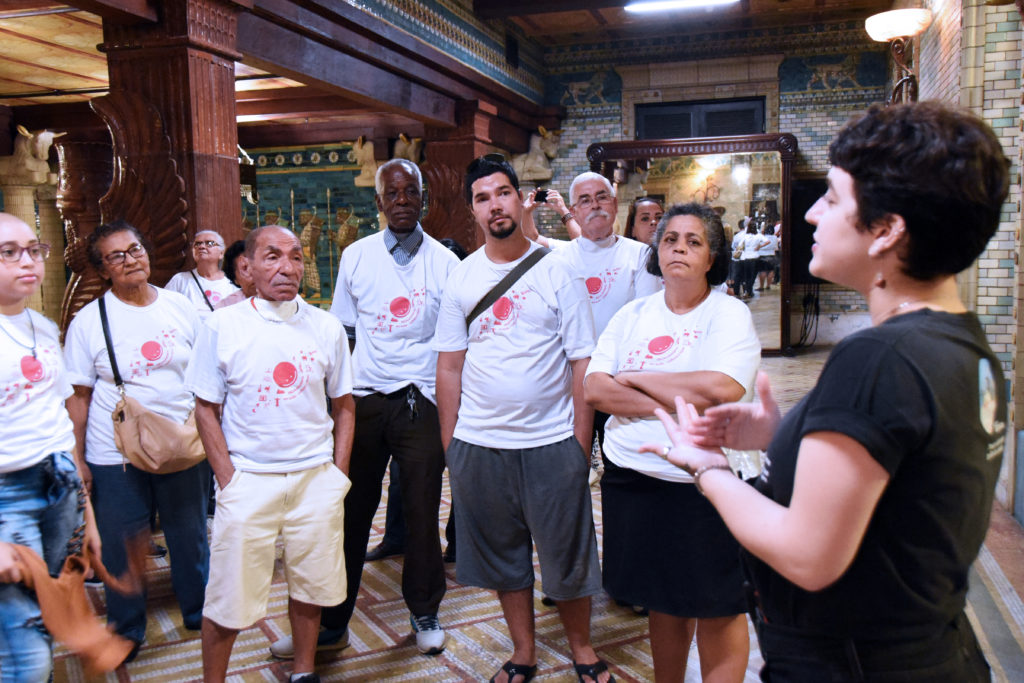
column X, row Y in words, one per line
column 121, row 11
column 279, row 50
column 502, row 9
column 325, row 133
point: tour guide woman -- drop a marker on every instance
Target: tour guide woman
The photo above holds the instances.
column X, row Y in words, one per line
column 878, row 487
column 665, row 547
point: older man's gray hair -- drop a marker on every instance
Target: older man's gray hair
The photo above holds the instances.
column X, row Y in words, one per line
column 584, row 177
column 409, row 167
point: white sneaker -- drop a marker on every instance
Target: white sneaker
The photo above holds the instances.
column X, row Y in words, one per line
column 430, row 637
column 284, row 648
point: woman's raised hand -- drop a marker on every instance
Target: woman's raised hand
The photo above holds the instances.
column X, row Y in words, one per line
column 741, row 426
column 684, row 451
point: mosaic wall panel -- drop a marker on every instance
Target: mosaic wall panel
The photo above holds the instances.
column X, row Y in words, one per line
column 451, row 26
column 312, row 191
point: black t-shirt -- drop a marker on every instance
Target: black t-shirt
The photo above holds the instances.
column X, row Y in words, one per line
column 924, row 394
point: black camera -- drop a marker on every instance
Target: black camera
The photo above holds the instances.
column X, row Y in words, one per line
column 540, row 196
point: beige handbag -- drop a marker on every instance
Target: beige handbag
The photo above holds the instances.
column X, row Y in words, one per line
column 151, row 442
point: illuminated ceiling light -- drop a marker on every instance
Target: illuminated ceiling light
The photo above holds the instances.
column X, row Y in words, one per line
column 668, row 5
column 898, row 23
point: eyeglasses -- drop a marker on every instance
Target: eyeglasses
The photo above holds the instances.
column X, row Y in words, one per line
column 586, row 201
column 209, row 244
column 116, row 258
column 11, row 252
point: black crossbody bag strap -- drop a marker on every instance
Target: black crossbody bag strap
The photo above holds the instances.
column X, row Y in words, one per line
column 506, row 282
column 201, row 290
column 110, row 344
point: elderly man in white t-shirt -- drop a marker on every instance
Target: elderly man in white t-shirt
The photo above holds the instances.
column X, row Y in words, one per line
column 387, row 296
column 259, row 372
column 613, row 268
column 516, row 429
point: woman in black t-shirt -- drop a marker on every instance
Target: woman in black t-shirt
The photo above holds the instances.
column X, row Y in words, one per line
column 877, row 489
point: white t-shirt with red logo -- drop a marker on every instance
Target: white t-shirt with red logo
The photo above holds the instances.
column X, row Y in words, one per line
column 152, row 345
column 516, row 381
column 394, row 311
column 215, row 290
column 33, row 421
column 646, row 336
column 270, row 376
column 613, row 273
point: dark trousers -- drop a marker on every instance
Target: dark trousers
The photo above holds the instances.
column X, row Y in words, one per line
column 387, row 428
column 951, row 655
column 394, row 518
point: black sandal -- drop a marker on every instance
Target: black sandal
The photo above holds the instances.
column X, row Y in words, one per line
column 592, row 671
column 513, row 670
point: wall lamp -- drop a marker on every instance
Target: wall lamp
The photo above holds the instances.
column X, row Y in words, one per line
column 898, row 27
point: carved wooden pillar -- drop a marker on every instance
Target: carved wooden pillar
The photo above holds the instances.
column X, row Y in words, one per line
column 86, row 170
column 184, row 67
column 51, row 232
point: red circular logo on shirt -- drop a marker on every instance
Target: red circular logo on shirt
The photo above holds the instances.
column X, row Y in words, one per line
column 593, row 285
column 152, row 350
column 660, row 344
column 214, row 297
column 400, row 307
column 31, row 369
column 285, row 374
column 502, row 308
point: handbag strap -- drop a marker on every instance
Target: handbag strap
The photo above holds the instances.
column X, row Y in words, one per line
column 506, row 282
column 201, row 290
column 110, row 344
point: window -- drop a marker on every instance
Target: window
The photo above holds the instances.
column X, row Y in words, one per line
column 702, row 119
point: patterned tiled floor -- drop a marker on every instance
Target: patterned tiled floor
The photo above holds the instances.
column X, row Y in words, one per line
column 382, row 648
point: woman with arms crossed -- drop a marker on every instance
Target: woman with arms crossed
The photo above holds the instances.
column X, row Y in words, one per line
column 878, row 486
column 41, row 504
column 693, row 340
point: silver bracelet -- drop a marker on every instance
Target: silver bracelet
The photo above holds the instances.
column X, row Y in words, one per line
column 702, row 470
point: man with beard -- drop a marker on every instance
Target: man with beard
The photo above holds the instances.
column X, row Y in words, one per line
column 614, row 268
column 516, row 430
column 389, row 287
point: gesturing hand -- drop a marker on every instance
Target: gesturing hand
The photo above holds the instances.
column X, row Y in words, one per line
column 684, row 452
column 741, row 426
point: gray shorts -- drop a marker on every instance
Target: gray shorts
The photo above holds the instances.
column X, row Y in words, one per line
column 506, row 500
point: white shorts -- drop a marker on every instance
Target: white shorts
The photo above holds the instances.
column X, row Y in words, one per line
column 306, row 508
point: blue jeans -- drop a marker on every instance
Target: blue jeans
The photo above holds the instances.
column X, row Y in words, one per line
column 123, row 498
column 39, row 508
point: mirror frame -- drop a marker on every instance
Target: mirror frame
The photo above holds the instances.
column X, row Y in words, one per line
column 604, row 158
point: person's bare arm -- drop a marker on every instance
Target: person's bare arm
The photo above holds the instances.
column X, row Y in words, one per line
column 556, row 202
column 212, row 436
column 602, row 392
column 77, row 406
column 583, row 414
column 702, row 388
column 343, row 412
column 812, row 541
column 449, row 391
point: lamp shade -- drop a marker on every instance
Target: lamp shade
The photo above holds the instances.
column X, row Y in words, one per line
column 898, row 23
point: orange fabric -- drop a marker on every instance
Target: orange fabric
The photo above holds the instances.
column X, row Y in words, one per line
column 65, row 607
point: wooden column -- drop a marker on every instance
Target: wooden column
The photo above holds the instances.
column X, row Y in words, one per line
column 183, row 66
column 51, row 231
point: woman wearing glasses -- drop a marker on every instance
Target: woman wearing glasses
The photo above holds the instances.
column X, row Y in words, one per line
column 40, row 493
column 206, row 284
column 152, row 331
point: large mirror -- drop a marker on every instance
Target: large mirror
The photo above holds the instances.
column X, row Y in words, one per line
column 744, row 175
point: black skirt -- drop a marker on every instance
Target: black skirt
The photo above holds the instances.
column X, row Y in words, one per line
column 666, row 548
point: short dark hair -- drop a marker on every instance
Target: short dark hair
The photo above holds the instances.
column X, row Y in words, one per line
column 454, row 247
column 231, row 254
column 489, row 164
column 713, row 230
column 631, row 216
column 92, row 242
column 939, row 168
